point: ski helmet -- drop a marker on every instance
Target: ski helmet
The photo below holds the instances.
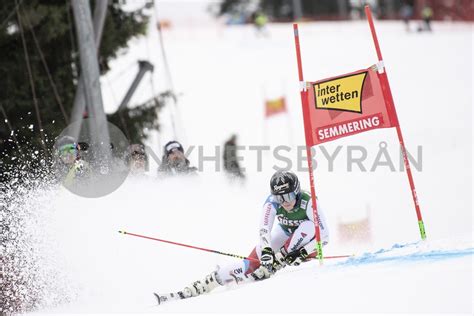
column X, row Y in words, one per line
column 65, row 144
column 66, row 150
column 285, row 186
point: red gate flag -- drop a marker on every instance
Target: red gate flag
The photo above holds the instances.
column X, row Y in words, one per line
column 348, row 104
column 275, row 106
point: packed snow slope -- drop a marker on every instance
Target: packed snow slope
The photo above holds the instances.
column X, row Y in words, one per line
column 223, row 75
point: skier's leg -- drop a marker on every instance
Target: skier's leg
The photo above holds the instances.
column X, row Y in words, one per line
column 240, row 271
column 257, row 272
column 234, row 272
column 279, row 238
column 302, row 236
column 210, row 282
column 305, row 236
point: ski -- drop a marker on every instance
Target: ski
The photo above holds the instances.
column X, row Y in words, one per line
column 164, row 298
column 186, row 293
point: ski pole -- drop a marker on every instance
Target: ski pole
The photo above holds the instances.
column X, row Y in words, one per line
column 189, row 246
column 210, row 250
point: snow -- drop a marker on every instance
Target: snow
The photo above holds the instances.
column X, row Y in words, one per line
column 224, row 74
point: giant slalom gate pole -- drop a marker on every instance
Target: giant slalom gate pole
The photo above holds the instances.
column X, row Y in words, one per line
column 308, row 137
column 389, row 98
column 210, row 250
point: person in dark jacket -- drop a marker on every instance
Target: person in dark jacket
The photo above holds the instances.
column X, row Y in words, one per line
column 427, row 15
column 174, row 162
column 231, row 163
column 406, row 13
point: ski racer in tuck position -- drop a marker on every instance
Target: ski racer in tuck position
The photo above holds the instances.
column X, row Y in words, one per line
column 291, row 241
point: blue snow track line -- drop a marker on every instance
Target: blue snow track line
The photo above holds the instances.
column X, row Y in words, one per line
column 386, row 256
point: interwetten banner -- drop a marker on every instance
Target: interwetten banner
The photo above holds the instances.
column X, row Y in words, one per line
column 348, row 104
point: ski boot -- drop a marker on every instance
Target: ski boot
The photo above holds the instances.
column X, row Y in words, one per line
column 210, row 282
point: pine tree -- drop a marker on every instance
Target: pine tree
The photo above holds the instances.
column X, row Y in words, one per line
column 49, row 25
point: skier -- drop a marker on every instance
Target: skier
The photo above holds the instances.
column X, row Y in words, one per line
column 406, row 13
column 174, row 162
column 427, row 15
column 291, row 242
column 69, row 164
column 260, row 21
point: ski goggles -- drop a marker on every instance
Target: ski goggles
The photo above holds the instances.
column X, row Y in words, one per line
column 172, row 146
column 285, row 197
column 67, row 149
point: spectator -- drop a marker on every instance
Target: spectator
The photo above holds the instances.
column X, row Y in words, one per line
column 427, row 15
column 406, row 13
column 70, row 166
column 137, row 159
column 260, row 21
column 174, row 162
column 231, row 163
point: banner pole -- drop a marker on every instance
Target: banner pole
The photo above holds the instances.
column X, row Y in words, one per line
column 308, row 138
column 389, row 98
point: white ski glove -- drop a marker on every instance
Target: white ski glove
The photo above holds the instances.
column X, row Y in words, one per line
column 269, row 264
column 267, row 258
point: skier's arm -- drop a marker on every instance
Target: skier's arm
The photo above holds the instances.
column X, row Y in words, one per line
column 266, row 255
column 266, row 224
